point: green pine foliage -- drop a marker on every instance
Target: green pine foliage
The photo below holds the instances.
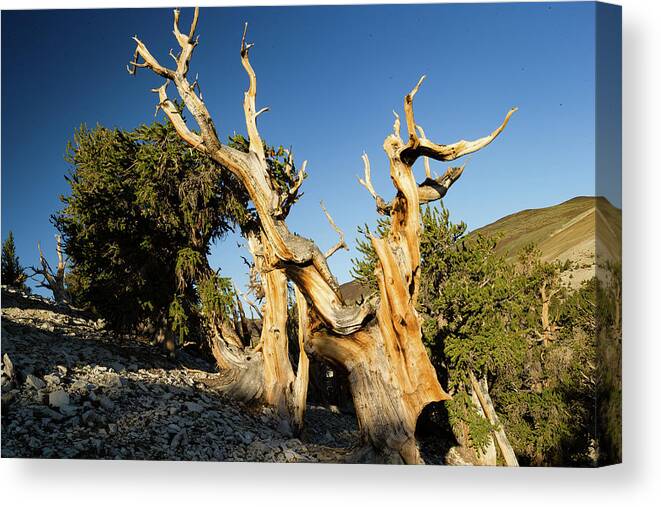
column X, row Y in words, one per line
column 216, row 295
column 143, row 211
column 13, row 274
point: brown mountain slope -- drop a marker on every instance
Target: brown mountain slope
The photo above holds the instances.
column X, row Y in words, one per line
column 573, row 230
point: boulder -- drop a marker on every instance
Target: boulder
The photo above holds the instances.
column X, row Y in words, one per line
column 58, row 399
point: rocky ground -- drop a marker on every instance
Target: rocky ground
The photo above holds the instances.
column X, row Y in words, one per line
column 71, row 389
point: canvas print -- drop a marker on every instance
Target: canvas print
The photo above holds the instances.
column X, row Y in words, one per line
column 382, row 234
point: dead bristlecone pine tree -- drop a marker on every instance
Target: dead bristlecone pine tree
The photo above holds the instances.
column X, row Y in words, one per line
column 378, row 341
column 53, row 280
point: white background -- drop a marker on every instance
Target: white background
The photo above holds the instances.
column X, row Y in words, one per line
column 636, row 482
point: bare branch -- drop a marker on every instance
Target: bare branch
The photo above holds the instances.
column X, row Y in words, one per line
column 61, row 261
column 482, row 391
column 186, row 43
column 433, row 189
column 367, row 183
column 250, row 168
column 288, row 198
column 193, row 102
column 175, row 30
column 430, row 190
column 421, row 146
column 408, row 109
column 396, row 126
column 52, row 280
column 449, row 152
column 256, row 143
column 299, row 179
column 149, row 61
column 245, row 47
column 193, row 24
column 251, row 304
column 45, row 266
column 174, row 115
column 341, row 243
column 134, row 63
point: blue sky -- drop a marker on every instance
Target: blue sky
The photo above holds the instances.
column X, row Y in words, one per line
column 331, row 76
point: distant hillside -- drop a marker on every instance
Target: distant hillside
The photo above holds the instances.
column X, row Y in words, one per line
column 564, row 231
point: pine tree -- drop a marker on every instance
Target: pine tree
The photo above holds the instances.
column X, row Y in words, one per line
column 13, row 274
column 138, row 224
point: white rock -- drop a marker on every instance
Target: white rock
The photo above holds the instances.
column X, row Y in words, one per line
column 52, row 379
column 58, row 398
column 35, row 382
column 7, row 366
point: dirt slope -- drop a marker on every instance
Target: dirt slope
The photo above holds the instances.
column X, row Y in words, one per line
column 582, row 230
column 71, row 389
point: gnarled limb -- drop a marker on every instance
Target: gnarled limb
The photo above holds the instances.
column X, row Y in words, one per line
column 433, row 189
column 449, row 152
column 408, row 110
column 381, row 205
column 241, row 370
column 53, row 280
column 174, row 115
column 341, row 243
column 421, row 146
column 430, row 190
column 249, row 109
column 480, row 388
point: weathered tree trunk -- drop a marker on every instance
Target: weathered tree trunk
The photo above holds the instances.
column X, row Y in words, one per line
column 377, row 342
column 466, row 453
column 284, row 389
column 549, row 329
column 241, row 370
column 53, row 280
column 299, row 388
column 390, row 387
column 547, row 335
column 481, row 389
column 264, row 373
